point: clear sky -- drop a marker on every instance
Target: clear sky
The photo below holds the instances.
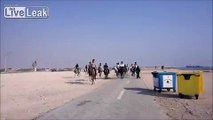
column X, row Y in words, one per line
column 171, row 33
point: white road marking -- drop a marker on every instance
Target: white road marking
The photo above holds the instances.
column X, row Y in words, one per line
column 121, row 94
column 127, row 82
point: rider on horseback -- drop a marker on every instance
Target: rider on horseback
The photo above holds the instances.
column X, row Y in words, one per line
column 122, row 69
column 100, row 70
column 106, row 70
column 76, row 66
column 92, row 71
column 94, row 67
column 86, row 69
column 77, row 69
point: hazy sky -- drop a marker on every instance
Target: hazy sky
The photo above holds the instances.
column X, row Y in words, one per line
column 173, row 33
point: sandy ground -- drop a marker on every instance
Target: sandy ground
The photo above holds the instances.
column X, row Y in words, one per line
column 27, row 95
column 186, row 108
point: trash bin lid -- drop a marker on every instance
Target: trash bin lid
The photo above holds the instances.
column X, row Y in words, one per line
column 189, row 73
column 155, row 73
column 167, row 73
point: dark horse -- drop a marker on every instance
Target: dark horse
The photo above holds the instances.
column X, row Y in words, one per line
column 106, row 71
column 77, row 71
column 92, row 74
column 120, row 71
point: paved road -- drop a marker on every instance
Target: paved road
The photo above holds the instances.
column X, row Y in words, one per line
column 125, row 98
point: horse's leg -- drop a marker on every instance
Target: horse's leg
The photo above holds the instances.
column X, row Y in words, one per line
column 122, row 74
column 77, row 73
column 93, row 79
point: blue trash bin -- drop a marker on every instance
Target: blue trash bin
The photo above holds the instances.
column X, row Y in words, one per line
column 164, row 80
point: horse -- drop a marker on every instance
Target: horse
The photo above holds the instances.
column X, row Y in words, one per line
column 100, row 71
column 106, row 72
column 122, row 71
column 77, row 71
column 92, row 74
column 116, row 71
column 133, row 70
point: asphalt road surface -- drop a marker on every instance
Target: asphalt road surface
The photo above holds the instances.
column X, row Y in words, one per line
column 126, row 98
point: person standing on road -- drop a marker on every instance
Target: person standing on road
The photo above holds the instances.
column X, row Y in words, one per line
column 162, row 67
column 138, row 72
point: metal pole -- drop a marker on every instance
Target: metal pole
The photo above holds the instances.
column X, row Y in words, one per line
column 5, row 60
column 5, row 63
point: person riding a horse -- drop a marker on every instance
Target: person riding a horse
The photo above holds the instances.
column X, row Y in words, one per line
column 117, row 69
column 77, row 69
column 122, row 69
column 100, row 70
column 106, row 70
column 132, row 69
column 86, row 69
column 92, row 70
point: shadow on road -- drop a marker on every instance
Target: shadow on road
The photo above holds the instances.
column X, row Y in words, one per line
column 153, row 93
column 67, row 77
column 103, row 78
column 78, row 81
column 75, row 82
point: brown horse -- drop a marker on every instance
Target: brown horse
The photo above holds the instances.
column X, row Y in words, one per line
column 92, row 74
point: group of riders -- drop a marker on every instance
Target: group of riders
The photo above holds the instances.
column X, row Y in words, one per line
column 120, row 70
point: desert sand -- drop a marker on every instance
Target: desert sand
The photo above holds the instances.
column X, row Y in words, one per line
column 28, row 95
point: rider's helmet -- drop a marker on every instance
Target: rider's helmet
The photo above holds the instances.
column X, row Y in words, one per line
column 93, row 60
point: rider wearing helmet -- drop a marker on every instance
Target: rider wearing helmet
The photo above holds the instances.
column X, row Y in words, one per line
column 122, row 69
column 122, row 64
column 105, row 66
column 106, row 70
